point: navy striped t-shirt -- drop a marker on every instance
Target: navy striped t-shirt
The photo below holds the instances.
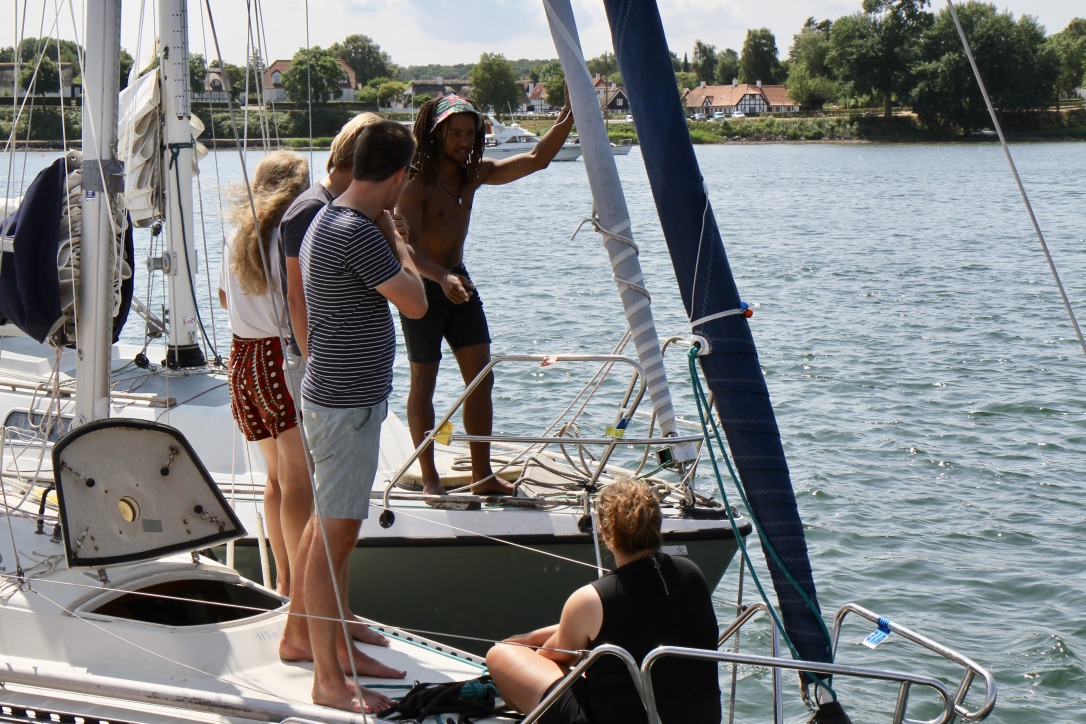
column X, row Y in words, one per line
column 352, row 340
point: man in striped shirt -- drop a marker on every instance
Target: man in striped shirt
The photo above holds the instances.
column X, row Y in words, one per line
column 354, row 261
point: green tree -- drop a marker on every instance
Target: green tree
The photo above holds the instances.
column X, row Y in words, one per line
column 810, row 91
column 197, row 72
column 686, row 80
column 45, row 80
column 1013, row 53
column 126, row 63
column 7, row 55
column 1070, row 45
column 876, row 50
column 553, row 77
column 494, row 83
column 390, row 91
column 704, row 65
column 810, row 46
column 727, row 66
column 313, row 75
column 365, row 57
column 604, row 64
column 759, row 60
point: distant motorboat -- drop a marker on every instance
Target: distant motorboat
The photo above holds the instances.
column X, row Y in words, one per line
column 503, row 141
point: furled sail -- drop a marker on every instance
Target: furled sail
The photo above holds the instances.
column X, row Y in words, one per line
column 708, row 289
column 140, row 143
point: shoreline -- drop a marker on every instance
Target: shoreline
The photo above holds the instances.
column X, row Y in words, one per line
column 229, row 144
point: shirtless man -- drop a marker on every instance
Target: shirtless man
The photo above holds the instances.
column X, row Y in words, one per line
column 437, row 207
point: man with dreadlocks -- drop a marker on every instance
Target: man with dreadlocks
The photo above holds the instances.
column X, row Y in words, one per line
column 437, row 207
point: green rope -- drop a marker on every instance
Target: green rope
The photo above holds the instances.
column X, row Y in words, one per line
column 704, row 411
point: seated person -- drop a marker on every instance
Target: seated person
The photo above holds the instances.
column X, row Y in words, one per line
column 650, row 600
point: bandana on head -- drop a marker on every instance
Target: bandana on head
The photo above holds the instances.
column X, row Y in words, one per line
column 451, row 104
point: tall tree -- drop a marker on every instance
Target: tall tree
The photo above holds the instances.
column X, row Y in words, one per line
column 876, row 50
column 605, row 64
column 727, row 66
column 365, row 57
column 553, row 77
column 810, row 46
column 494, row 83
column 40, row 78
column 313, row 75
column 704, row 65
column 759, row 60
column 197, row 72
column 1070, row 45
column 1013, row 53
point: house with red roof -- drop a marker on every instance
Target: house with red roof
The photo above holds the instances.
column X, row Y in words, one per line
column 752, row 100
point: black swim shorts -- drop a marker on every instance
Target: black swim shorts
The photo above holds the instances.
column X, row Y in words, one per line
column 566, row 709
column 461, row 325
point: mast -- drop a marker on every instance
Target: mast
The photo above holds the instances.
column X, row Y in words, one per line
column 612, row 218
column 728, row 356
column 102, row 178
column 179, row 257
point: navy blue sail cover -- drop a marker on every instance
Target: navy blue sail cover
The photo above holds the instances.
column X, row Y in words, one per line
column 29, row 284
column 731, row 369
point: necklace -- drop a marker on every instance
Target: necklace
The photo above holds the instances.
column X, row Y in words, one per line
column 459, row 197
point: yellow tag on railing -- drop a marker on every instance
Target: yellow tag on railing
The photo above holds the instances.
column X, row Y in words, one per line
column 444, row 432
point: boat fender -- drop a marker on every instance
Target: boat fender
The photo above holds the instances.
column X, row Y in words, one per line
column 830, row 712
column 386, row 519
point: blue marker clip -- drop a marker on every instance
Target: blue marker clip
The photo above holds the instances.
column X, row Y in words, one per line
column 879, row 635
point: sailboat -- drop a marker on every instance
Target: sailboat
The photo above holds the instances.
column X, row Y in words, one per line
column 559, row 482
column 523, row 555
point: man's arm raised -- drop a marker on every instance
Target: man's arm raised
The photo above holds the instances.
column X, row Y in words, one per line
column 523, row 164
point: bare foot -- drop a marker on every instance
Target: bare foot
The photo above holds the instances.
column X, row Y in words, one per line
column 433, row 488
column 364, row 634
column 493, row 486
column 337, row 695
column 364, row 664
column 375, row 701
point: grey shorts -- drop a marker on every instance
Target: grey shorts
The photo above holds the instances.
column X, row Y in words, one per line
column 344, row 442
column 294, row 365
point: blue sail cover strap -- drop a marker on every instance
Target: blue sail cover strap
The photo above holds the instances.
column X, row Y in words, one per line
column 731, row 368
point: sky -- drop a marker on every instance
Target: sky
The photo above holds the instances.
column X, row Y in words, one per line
column 419, row 32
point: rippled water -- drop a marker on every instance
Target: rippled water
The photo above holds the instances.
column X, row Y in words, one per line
column 926, row 378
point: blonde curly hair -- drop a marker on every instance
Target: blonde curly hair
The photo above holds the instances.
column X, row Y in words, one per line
column 278, row 180
column 630, row 516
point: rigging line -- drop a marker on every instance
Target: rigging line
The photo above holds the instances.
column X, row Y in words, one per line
column 308, row 79
column 4, row 491
column 1017, row 178
column 484, row 536
column 174, row 156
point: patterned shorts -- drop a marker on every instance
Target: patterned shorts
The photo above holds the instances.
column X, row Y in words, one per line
column 259, row 396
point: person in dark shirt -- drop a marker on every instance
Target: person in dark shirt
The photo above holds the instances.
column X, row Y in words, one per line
column 649, row 600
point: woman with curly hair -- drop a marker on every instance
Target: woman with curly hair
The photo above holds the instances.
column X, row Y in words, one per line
column 650, row 599
column 260, row 396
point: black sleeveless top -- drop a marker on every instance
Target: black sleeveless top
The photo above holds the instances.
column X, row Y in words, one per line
column 654, row 601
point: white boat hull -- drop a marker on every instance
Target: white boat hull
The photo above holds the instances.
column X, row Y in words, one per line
column 568, row 152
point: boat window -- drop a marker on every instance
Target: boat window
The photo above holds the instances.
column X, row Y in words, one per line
column 190, row 602
column 35, row 424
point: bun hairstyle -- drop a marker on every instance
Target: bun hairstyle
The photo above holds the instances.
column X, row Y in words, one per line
column 629, row 515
